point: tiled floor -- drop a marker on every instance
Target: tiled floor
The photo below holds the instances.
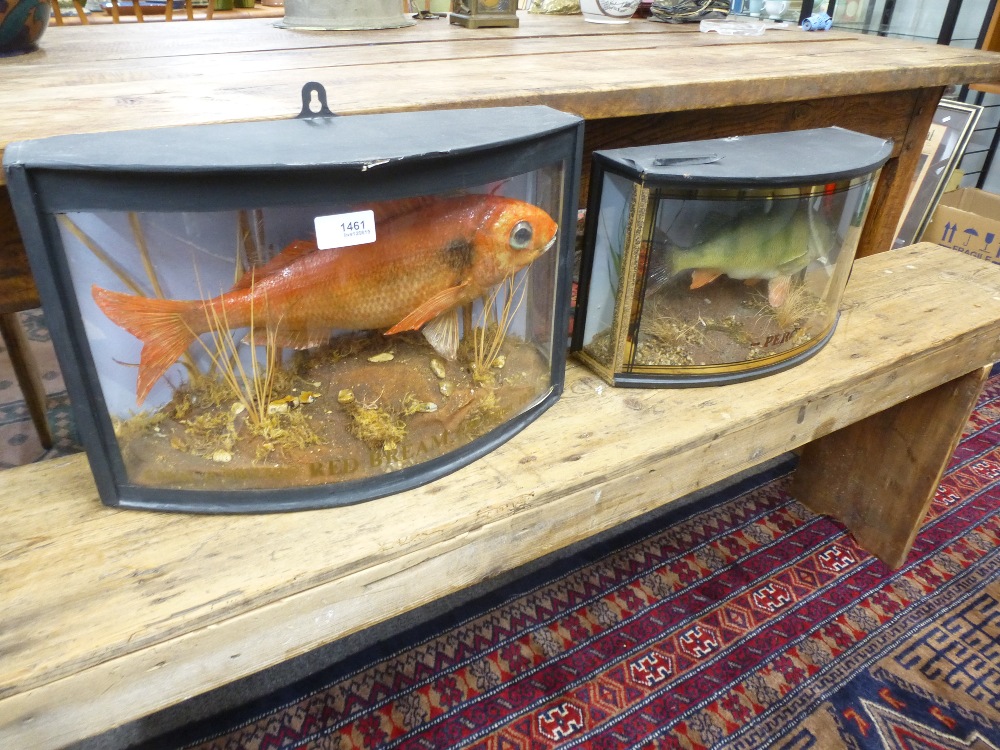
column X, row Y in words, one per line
column 18, row 438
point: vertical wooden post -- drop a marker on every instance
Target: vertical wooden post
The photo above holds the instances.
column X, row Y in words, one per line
column 26, row 372
column 889, row 198
column 878, row 476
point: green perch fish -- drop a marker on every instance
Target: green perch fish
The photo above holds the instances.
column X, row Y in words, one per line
column 762, row 247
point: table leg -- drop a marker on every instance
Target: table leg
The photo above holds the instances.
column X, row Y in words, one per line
column 26, row 372
column 878, row 476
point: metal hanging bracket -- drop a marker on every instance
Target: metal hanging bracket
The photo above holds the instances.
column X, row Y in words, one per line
column 314, row 102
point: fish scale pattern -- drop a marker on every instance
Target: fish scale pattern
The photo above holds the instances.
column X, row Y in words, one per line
column 720, row 630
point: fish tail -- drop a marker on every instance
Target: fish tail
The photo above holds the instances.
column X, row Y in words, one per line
column 160, row 324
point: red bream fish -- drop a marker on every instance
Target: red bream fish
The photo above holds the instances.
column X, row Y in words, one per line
column 425, row 263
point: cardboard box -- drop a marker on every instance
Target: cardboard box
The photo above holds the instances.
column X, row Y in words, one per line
column 968, row 220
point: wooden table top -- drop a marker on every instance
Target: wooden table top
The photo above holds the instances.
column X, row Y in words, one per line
column 116, row 77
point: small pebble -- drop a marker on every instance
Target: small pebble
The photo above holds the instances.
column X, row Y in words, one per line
column 281, row 405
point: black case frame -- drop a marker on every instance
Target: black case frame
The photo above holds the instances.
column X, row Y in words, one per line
column 226, row 167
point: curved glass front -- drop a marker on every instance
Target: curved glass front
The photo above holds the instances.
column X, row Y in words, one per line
column 277, row 346
column 718, row 283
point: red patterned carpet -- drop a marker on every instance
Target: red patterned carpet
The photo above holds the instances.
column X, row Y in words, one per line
column 751, row 623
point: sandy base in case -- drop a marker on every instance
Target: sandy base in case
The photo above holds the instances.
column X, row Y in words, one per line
column 727, row 322
column 355, row 418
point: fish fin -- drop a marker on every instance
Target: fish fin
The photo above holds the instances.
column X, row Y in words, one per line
column 442, row 334
column 702, row 276
column 292, row 252
column 778, row 289
column 291, row 338
column 441, row 302
column 158, row 323
column 794, row 265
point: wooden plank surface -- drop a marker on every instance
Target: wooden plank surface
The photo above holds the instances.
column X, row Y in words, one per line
column 111, row 614
column 879, row 475
column 86, row 79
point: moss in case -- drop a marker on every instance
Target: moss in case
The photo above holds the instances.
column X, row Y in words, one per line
column 398, row 416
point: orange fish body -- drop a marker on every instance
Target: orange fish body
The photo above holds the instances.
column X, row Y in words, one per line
column 424, row 263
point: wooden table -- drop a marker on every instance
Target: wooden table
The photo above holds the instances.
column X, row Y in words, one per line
column 110, row 615
column 637, row 84
column 642, row 83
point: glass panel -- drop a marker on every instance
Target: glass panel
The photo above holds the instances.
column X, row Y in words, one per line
column 280, row 346
column 740, row 279
column 609, row 247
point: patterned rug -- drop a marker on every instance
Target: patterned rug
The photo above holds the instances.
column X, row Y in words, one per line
column 750, row 623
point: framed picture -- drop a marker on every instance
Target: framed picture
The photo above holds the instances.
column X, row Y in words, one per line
column 946, row 142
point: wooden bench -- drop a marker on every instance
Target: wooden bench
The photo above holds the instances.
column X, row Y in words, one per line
column 111, row 615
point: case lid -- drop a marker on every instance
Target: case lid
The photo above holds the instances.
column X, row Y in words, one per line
column 800, row 157
column 365, row 141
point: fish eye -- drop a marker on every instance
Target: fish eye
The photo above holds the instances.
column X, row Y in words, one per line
column 520, row 235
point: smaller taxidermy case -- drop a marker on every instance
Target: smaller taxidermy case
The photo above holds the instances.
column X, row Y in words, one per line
column 716, row 261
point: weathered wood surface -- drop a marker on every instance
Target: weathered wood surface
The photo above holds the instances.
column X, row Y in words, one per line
column 645, row 82
column 86, row 79
column 879, row 475
column 110, row 615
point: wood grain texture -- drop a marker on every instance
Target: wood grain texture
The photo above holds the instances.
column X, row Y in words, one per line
column 879, row 475
column 645, row 82
column 896, row 178
column 89, row 79
column 112, row 614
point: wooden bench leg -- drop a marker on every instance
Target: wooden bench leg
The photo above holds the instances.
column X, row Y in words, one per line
column 26, row 372
column 878, row 476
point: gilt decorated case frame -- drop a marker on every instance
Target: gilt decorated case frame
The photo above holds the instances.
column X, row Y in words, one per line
column 710, row 262
column 286, row 315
